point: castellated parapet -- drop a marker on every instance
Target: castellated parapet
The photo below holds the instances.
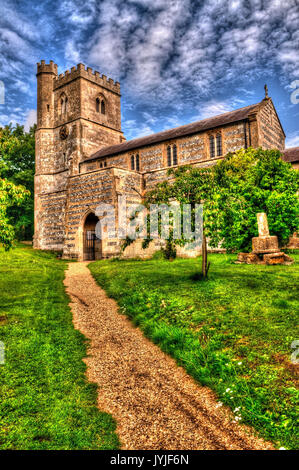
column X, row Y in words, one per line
column 42, row 67
column 87, row 73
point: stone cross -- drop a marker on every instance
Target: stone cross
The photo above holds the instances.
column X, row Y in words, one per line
column 262, row 223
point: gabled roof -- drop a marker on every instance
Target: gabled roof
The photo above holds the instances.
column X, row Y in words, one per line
column 188, row 129
column 291, row 155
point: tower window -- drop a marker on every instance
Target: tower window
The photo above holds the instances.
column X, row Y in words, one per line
column 100, row 106
column 219, row 144
column 172, row 155
column 212, row 146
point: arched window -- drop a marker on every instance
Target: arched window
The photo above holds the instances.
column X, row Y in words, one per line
column 135, row 162
column 98, row 105
column 219, row 145
column 174, row 155
column 103, row 107
column 168, row 155
column 66, row 105
column 132, row 162
column 212, row 146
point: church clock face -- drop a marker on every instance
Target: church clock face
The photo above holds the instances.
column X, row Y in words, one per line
column 63, row 133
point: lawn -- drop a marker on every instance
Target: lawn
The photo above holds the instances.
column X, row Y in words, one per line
column 45, row 399
column 232, row 333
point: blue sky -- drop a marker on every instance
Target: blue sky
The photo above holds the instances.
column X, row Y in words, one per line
column 178, row 61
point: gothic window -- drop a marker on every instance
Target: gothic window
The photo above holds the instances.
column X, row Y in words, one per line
column 98, row 105
column 168, row 155
column 219, row 145
column 172, row 155
column 135, row 162
column 132, row 162
column 212, row 146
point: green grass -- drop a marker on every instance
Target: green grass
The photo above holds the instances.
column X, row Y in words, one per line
column 45, row 399
column 232, row 333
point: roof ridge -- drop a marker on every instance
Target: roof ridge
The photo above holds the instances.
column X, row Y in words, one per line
column 211, row 122
column 193, row 122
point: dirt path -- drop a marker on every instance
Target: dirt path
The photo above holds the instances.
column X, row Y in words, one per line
column 155, row 403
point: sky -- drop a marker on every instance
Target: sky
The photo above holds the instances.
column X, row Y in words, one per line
column 178, row 61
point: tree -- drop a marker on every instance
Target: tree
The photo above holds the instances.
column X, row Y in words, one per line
column 187, row 185
column 10, row 195
column 245, row 183
column 232, row 193
column 17, row 163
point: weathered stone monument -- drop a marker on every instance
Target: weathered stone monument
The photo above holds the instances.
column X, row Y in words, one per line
column 265, row 249
column 264, row 243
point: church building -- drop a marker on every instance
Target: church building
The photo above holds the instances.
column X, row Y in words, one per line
column 83, row 158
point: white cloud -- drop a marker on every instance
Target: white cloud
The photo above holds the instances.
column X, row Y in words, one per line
column 72, row 54
column 30, row 119
column 292, row 140
column 133, row 129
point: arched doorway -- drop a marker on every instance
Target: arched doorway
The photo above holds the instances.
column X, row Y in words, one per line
column 92, row 246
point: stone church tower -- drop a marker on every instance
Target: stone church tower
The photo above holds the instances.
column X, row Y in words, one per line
column 78, row 113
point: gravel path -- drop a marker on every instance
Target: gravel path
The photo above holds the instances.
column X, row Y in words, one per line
column 155, row 403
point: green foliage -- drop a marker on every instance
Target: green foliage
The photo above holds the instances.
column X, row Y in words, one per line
column 45, row 399
column 233, row 192
column 245, row 183
column 17, row 155
column 232, row 333
column 10, row 196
